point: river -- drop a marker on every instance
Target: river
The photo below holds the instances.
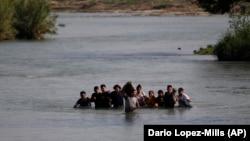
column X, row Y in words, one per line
column 40, row 81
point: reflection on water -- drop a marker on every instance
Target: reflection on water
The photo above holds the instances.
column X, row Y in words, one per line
column 40, row 81
column 130, row 117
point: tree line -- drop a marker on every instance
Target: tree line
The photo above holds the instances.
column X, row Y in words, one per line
column 218, row 6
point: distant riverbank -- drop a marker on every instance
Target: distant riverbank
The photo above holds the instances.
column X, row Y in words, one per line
column 139, row 7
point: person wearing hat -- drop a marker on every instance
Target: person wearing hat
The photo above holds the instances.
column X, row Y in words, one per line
column 117, row 97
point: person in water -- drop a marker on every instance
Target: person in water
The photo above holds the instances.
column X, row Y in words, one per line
column 160, row 98
column 170, row 97
column 129, row 93
column 84, row 101
column 151, row 100
column 105, row 96
column 117, row 96
column 183, row 99
column 97, row 97
column 140, row 95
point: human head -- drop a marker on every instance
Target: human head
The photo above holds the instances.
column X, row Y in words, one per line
column 128, row 88
column 138, row 87
column 150, row 93
column 160, row 93
column 133, row 93
column 170, row 88
column 96, row 89
column 180, row 91
column 103, row 88
column 82, row 94
column 117, row 88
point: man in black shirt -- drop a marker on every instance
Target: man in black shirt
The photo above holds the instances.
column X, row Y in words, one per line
column 84, row 101
column 170, row 97
column 117, row 96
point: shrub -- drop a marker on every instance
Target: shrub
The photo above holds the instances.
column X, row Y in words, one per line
column 7, row 31
column 34, row 19
column 209, row 50
column 235, row 43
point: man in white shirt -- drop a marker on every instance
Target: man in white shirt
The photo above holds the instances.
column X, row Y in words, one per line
column 183, row 99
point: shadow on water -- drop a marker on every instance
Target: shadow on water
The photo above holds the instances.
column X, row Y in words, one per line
column 130, row 117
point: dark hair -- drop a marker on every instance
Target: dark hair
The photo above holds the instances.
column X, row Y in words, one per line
column 151, row 91
column 128, row 88
column 160, row 91
column 82, row 92
column 103, row 85
column 96, row 87
column 138, row 86
column 169, row 86
column 117, row 86
column 180, row 89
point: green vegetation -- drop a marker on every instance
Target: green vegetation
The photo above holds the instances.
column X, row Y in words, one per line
column 34, row 19
column 26, row 19
column 216, row 6
column 224, row 6
column 209, row 50
column 235, row 43
column 7, row 31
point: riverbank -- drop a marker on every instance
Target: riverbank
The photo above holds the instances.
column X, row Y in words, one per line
column 139, row 7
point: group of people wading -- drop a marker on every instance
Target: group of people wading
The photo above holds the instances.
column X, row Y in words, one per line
column 132, row 98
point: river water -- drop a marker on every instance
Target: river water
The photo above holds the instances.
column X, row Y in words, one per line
column 40, row 81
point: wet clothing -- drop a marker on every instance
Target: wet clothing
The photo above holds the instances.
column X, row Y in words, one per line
column 183, row 100
column 160, row 101
column 117, row 99
column 169, row 100
column 130, row 103
column 105, row 97
column 150, row 101
column 98, row 100
column 141, row 98
column 83, row 102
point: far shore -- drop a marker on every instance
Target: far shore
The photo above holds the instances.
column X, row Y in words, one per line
column 140, row 13
column 143, row 9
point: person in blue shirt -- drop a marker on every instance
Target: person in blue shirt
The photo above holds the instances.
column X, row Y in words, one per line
column 117, row 96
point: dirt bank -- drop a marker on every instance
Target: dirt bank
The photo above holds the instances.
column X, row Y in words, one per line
column 140, row 7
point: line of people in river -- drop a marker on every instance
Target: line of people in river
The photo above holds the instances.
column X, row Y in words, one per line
column 134, row 98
